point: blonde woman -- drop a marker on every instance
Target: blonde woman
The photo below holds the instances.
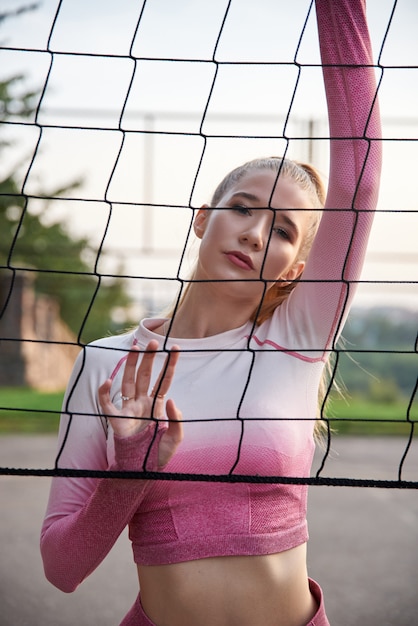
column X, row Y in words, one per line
column 241, row 359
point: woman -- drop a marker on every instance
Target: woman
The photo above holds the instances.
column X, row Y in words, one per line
column 242, row 357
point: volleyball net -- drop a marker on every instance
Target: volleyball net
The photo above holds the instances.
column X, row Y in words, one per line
column 138, row 113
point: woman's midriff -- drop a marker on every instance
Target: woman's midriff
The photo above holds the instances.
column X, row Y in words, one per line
column 271, row 590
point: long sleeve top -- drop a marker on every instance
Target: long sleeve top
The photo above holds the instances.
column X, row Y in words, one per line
column 248, row 396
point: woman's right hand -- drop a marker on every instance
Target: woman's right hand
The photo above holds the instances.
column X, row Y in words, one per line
column 139, row 403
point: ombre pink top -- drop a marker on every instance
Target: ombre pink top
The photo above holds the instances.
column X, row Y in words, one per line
column 248, row 396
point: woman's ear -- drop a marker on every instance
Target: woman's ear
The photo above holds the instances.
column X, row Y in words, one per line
column 199, row 224
column 294, row 272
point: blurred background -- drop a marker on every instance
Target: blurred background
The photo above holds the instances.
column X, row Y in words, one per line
column 117, row 121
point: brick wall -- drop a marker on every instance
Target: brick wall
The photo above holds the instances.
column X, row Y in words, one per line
column 35, row 345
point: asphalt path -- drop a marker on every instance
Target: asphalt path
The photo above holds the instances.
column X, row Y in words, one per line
column 363, row 546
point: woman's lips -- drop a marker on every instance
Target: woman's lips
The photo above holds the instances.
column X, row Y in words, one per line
column 240, row 260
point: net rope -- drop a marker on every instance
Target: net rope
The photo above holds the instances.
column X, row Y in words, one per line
column 123, row 133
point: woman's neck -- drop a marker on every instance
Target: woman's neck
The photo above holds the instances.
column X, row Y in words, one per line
column 204, row 313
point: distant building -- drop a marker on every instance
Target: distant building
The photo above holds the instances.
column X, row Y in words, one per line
column 36, row 348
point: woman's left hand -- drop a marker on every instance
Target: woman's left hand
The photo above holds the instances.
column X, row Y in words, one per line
column 139, row 404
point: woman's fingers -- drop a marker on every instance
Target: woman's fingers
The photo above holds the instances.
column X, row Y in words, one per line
column 139, row 402
column 175, row 424
column 165, row 378
column 104, row 398
column 129, row 380
column 136, row 380
column 172, row 436
column 142, row 378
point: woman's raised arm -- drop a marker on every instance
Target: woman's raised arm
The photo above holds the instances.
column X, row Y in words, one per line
column 336, row 259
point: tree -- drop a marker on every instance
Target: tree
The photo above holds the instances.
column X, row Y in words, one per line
column 60, row 260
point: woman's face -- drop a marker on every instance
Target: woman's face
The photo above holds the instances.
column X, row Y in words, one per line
column 253, row 233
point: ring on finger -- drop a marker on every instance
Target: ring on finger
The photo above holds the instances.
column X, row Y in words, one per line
column 125, row 398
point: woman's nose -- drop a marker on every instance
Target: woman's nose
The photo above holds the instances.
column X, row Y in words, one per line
column 256, row 234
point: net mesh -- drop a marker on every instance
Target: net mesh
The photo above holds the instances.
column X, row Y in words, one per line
column 201, row 88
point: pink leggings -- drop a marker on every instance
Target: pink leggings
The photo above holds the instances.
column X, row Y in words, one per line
column 320, row 618
column 137, row 616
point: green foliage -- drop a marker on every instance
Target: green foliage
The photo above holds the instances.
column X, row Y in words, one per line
column 29, row 241
column 378, row 359
column 13, row 105
column 385, row 391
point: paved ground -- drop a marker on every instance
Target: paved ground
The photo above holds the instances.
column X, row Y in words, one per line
column 363, row 548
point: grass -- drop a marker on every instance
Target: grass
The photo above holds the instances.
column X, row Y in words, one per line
column 359, row 416
column 28, row 411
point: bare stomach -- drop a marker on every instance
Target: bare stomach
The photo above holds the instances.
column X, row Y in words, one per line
column 270, row 590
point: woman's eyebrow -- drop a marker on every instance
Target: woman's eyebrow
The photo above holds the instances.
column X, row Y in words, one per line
column 288, row 220
column 246, row 195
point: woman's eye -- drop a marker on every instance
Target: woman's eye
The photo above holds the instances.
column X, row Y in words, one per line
column 281, row 232
column 241, row 209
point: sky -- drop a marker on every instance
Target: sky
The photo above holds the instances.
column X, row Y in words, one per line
column 88, row 122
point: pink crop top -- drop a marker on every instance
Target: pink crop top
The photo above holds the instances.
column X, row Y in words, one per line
column 248, row 396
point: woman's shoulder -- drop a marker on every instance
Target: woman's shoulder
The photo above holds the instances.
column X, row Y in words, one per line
column 102, row 354
column 112, row 345
column 122, row 341
column 97, row 361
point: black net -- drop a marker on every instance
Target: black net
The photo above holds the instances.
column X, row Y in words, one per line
column 121, row 136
